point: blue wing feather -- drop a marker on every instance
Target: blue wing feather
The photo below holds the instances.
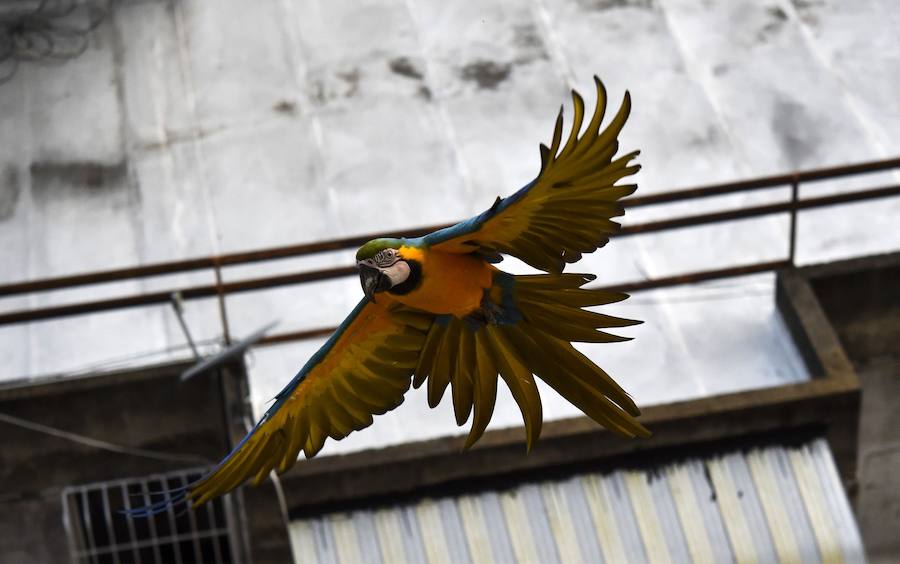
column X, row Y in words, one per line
column 473, row 224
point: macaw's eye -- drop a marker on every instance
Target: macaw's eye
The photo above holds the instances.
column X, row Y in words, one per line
column 386, row 258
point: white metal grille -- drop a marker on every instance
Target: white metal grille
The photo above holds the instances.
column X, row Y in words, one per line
column 100, row 534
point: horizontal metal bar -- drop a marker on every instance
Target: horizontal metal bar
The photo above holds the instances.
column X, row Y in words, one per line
column 757, row 211
column 172, row 539
column 291, row 336
column 762, row 183
column 698, row 276
column 181, row 266
column 74, row 280
column 176, row 267
column 192, row 293
column 635, row 286
column 330, row 273
column 289, row 251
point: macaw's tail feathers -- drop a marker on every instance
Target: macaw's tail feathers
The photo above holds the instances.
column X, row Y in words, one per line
column 457, row 353
column 553, row 315
column 468, row 355
column 524, row 330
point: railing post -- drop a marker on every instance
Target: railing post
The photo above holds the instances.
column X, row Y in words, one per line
column 223, row 314
column 792, row 243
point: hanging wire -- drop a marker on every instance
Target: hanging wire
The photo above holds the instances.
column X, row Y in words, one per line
column 132, row 358
column 46, row 30
column 97, row 443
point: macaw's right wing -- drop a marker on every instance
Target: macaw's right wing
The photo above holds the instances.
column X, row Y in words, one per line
column 364, row 369
column 566, row 211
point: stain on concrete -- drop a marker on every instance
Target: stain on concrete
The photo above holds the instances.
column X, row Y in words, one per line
column 708, row 137
column 285, row 107
column 777, row 13
column 529, row 44
column 325, row 89
column 50, row 179
column 351, row 79
column 317, row 91
column 720, row 70
column 602, row 5
column 808, row 10
column 424, row 92
column 791, row 125
column 486, row 74
column 10, row 191
column 526, row 35
column 777, row 19
column 404, row 66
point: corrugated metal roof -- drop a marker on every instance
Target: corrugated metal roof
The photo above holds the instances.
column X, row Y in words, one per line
column 774, row 504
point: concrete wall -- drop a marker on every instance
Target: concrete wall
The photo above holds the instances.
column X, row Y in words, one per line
column 148, row 410
column 190, row 128
column 121, row 409
column 862, row 300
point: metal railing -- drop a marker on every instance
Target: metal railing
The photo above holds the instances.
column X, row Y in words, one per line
column 221, row 290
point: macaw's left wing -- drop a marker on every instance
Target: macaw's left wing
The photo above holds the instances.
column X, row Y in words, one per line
column 364, row 369
column 564, row 212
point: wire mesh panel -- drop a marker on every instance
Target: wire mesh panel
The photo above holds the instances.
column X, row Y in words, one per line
column 99, row 533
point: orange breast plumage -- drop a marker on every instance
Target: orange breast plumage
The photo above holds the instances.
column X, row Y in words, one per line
column 451, row 283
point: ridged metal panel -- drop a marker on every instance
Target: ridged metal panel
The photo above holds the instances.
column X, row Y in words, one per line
column 775, row 504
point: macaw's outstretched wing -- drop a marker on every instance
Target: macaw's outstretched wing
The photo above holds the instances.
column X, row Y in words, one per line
column 564, row 212
column 364, row 369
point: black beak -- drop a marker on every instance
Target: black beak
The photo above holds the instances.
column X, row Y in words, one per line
column 373, row 281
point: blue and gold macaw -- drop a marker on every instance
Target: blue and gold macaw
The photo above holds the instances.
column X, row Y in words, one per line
column 437, row 310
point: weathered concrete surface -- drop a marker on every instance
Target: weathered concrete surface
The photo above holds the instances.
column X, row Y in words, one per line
column 35, row 534
column 862, row 301
column 878, row 500
column 191, row 128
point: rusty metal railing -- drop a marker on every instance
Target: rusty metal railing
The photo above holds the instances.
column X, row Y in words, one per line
column 221, row 289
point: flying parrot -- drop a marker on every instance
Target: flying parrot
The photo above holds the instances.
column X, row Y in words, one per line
column 438, row 312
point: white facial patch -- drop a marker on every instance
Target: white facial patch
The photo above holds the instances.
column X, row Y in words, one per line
column 397, row 273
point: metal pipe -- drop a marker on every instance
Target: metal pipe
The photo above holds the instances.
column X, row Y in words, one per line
column 192, row 293
column 176, row 267
column 291, row 336
column 792, row 235
column 698, row 276
column 762, row 183
column 757, row 211
column 220, row 294
column 289, row 251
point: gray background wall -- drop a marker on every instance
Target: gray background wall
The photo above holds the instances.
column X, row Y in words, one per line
column 190, row 128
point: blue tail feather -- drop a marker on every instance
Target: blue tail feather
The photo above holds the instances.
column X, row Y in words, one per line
column 161, row 492
column 171, row 498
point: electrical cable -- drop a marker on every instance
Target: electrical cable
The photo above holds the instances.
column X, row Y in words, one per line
column 97, row 443
column 126, row 359
column 50, row 30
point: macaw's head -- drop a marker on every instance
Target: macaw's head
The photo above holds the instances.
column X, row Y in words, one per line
column 382, row 267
